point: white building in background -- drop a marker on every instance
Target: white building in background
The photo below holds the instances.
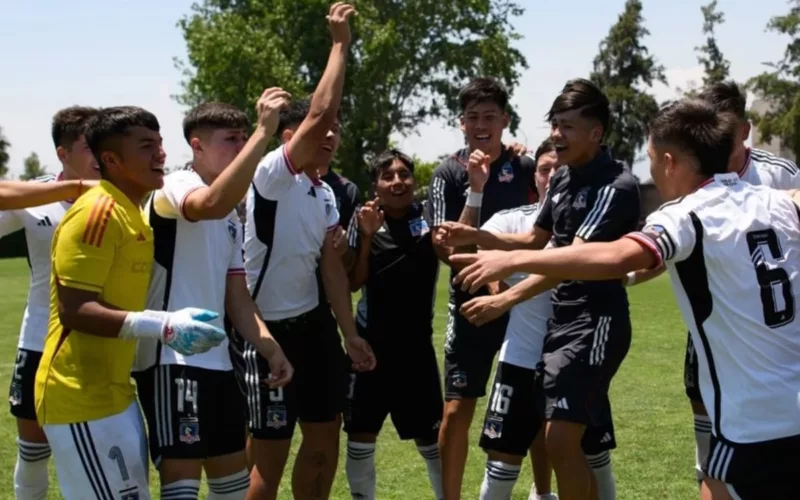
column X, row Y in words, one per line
column 775, row 147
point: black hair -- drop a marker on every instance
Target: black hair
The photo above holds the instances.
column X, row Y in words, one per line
column 545, row 147
column 726, row 97
column 112, row 123
column 69, row 124
column 696, row 128
column 214, row 115
column 294, row 114
column 482, row 90
column 583, row 95
column 386, row 159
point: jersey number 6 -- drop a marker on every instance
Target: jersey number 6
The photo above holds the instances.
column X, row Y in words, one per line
column 773, row 281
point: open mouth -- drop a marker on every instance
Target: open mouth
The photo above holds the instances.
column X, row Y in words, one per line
column 159, row 170
column 560, row 148
column 483, row 138
column 398, row 193
column 327, row 148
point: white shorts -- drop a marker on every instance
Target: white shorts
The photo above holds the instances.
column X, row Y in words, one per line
column 104, row 459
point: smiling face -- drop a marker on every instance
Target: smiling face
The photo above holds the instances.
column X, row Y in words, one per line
column 575, row 137
column 395, row 185
column 546, row 166
column 483, row 124
column 78, row 160
column 215, row 149
column 137, row 159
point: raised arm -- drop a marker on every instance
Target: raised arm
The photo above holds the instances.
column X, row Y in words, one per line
column 366, row 222
column 15, row 195
column 221, row 197
column 327, row 98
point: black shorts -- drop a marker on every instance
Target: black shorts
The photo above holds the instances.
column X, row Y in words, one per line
column 576, row 375
column 756, row 470
column 317, row 392
column 23, row 381
column 514, row 415
column 412, row 395
column 691, row 372
column 192, row 413
column 469, row 353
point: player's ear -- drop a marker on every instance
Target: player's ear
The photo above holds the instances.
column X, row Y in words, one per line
column 506, row 120
column 196, row 145
column 746, row 131
column 110, row 160
column 461, row 123
column 61, row 152
column 287, row 135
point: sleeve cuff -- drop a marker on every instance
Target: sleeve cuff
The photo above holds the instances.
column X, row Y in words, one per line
column 647, row 243
column 288, row 161
column 79, row 285
column 182, row 207
column 331, row 228
column 237, row 271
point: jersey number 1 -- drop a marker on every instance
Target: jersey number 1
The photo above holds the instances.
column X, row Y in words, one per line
column 772, row 281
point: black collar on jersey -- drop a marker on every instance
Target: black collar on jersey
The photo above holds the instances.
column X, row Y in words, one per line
column 595, row 167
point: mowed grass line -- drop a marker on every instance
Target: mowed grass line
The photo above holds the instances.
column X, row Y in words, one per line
column 655, row 455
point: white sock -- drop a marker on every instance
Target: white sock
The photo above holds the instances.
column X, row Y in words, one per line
column 30, row 473
column 233, row 487
column 434, row 464
column 535, row 495
column 702, row 437
column 601, row 466
column 360, row 470
column 498, row 480
column 185, row 489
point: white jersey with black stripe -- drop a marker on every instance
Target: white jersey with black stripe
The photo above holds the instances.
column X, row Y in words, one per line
column 764, row 168
column 732, row 251
column 288, row 217
column 527, row 321
column 39, row 224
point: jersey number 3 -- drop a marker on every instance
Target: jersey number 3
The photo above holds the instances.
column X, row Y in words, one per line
column 773, row 281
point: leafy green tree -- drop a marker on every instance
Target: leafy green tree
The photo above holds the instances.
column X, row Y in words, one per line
column 32, row 168
column 781, row 86
column 4, row 147
column 408, row 60
column 622, row 69
column 717, row 68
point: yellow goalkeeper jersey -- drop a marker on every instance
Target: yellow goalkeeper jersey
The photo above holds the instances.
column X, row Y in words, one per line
column 102, row 245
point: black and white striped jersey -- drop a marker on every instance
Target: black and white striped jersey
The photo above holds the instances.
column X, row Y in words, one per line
column 764, row 168
column 732, row 251
column 39, row 224
column 596, row 202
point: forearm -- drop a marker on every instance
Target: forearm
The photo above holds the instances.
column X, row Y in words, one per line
column 246, row 319
column 470, row 216
column 15, row 195
column 504, row 241
column 335, row 282
column 93, row 318
column 360, row 272
column 528, row 288
column 589, row 261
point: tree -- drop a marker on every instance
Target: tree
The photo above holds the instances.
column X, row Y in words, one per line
column 4, row 147
column 408, row 59
column 781, row 86
column 621, row 69
column 33, row 168
column 716, row 66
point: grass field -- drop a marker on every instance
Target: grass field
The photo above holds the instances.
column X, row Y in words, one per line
column 655, row 455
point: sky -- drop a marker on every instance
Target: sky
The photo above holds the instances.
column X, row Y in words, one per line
column 120, row 52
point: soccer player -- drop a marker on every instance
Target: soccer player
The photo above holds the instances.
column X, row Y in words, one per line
column 470, row 187
column 397, row 268
column 732, row 251
column 595, row 199
column 193, row 404
column 757, row 167
column 507, row 432
column 102, row 256
column 291, row 216
column 36, row 208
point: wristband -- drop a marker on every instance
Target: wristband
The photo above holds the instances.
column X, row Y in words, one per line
column 631, row 278
column 474, row 199
column 145, row 324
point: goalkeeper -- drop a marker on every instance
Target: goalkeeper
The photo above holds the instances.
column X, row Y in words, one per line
column 102, row 255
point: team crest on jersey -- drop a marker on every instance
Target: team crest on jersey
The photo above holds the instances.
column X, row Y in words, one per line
column 654, row 231
column 189, row 430
column 276, row 417
column 129, row 494
column 493, row 428
column 15, row 395
column 418, row 227
column 506, row 173
column 459, row 380
column 328, row 206
column 232, row 230
column 580, row 199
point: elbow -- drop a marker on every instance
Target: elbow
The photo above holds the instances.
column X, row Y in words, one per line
column 67, row 317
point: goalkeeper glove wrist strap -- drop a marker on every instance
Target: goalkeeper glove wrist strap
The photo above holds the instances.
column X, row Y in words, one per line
column 145, row 324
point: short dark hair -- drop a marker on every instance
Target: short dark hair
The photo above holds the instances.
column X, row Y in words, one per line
column 695, row 127
column 583, row 95
column 547, row 146
column 111, row 123
column 213, row 115
column 727, row 97
column 69, row 124
column 385, row 160
column 483, row 89
column 296, row 112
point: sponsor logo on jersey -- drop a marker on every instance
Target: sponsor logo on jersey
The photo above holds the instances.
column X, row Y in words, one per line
column 506, row 173
column 232, row 229
column 276, row 417
column 189, row 430
column 141, row 237
column 418, row 227
column 580, row 199
column 45, row 222
column 654, row 231
column 493, row 428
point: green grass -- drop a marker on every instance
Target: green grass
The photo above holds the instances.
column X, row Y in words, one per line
column 655, row 455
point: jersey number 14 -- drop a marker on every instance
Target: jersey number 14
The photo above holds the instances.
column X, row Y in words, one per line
column 773, row 281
